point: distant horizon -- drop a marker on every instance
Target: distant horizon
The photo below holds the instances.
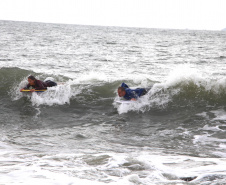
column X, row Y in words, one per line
column 113, row 26
column 161, row 14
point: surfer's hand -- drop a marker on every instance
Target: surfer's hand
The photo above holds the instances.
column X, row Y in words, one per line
column 32, row 90
column 133, row 99
column 21, row 90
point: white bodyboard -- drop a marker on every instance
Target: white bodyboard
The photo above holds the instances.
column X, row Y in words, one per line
column 124, row 101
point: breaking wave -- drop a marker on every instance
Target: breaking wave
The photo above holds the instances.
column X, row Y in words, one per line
column 183, row 87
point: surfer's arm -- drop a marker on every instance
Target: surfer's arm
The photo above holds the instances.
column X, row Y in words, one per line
column 27, row 87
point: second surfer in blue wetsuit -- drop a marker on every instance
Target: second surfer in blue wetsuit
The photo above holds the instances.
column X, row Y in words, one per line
column 131, row 94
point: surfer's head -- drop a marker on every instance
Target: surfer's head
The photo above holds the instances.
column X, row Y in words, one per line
column 121, row 91
column 31, row 80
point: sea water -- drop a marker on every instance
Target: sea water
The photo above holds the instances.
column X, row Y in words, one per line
column 75, row 133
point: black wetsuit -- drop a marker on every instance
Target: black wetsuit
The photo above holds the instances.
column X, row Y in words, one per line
column 39, row 85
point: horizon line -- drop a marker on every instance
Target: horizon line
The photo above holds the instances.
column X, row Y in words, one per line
column 223, row 29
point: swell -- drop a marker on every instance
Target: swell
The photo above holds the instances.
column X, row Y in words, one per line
column 174, row 93
column 10, row 77
column 195, row 93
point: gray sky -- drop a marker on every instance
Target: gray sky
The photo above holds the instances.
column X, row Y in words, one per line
column 178, row 14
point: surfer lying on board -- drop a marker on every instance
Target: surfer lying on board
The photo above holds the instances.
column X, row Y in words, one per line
column 131, row 94
column 38, row 84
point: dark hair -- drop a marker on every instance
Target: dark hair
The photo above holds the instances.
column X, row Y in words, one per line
column 121, row 89
column 32, row 77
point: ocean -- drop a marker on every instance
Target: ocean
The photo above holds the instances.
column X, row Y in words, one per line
column 76, row 133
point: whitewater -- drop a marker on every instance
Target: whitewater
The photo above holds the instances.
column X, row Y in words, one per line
column 76, row 133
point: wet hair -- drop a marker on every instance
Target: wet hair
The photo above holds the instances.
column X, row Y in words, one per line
column 32, row 77
column 121, row 89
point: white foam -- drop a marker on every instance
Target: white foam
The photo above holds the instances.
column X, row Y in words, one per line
column 206, row 138
column 138, row 105
column 203, row 114
column 222, row 146
column 220, row 154
column 220, row 114
column 38, row 176
column 183, row 73
column 59, row 95
column 119, row 168
column 214, row 128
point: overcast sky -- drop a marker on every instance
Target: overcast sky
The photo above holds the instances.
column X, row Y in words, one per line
column 177, row 14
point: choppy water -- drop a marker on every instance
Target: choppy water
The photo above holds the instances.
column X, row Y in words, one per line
column 75, row 134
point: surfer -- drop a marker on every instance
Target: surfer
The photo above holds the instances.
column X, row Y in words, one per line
column 131, row 94
column 38, row 84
